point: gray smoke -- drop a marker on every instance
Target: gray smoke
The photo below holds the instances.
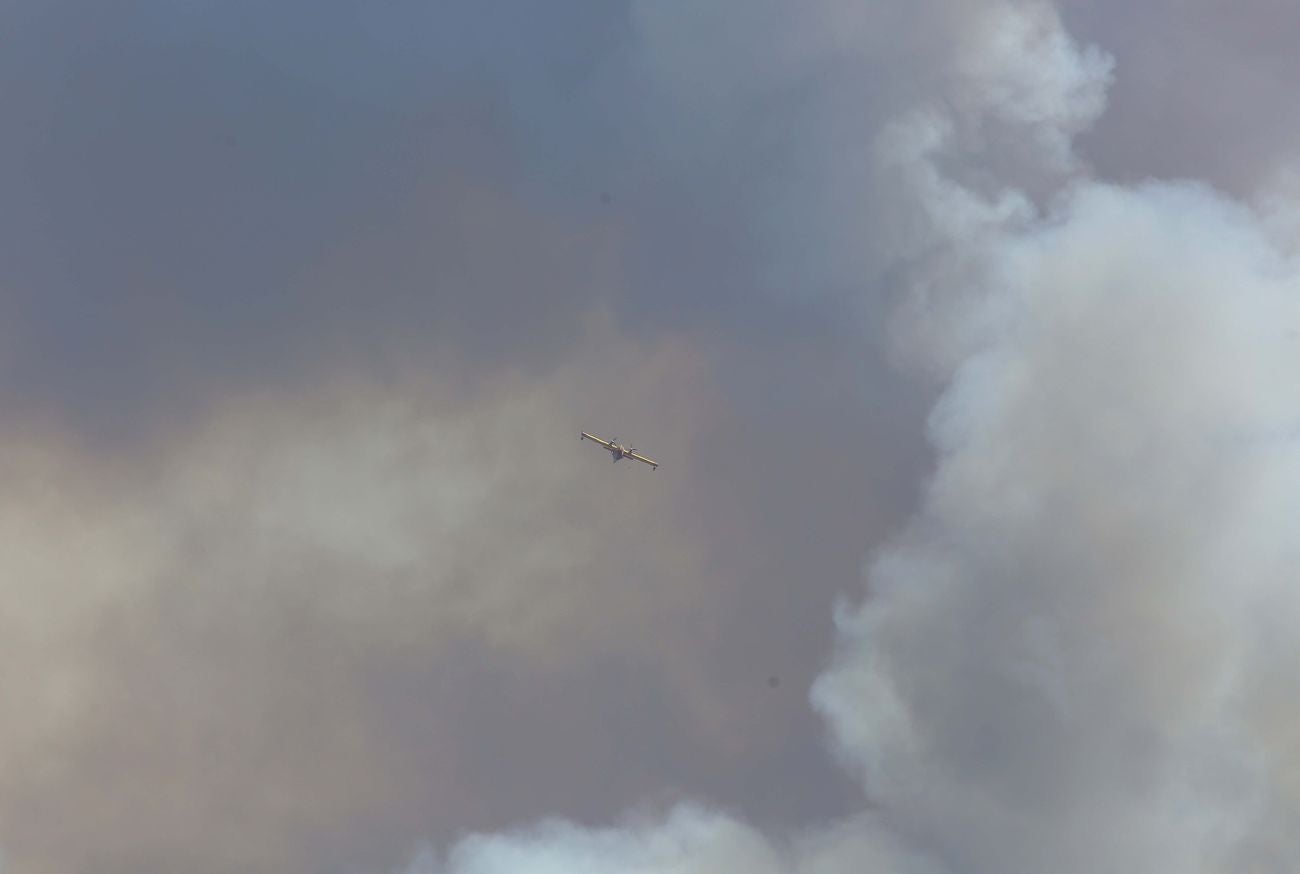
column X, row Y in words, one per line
column 234, row 651
column 1078, row 655
column 1204, row 90
column 298, row 576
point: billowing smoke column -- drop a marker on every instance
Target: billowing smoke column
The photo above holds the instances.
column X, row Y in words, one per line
column 1075, row 658
column 1080, row 656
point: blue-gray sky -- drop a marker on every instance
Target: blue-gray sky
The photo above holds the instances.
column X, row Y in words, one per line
column 304, row 306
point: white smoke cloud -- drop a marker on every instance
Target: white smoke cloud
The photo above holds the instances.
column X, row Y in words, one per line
column 1078, row 657
column 688, row 839
column 1065, row 643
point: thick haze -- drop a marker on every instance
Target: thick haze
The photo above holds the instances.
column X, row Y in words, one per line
column 304, row 569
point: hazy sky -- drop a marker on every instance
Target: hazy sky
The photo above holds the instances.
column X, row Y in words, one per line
column 964, row 331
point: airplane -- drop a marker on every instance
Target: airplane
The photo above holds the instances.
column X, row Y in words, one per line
column 619, row 451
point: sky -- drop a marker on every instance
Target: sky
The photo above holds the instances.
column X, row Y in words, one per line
column 964, row 332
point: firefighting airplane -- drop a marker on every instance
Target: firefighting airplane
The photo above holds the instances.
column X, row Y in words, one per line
column 619, row 451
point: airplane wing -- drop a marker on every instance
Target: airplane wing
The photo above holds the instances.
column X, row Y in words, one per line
column 654, row 464
column 596, row 439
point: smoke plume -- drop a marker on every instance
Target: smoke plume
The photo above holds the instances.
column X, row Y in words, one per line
column 1077, row 656
column 305, row 570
